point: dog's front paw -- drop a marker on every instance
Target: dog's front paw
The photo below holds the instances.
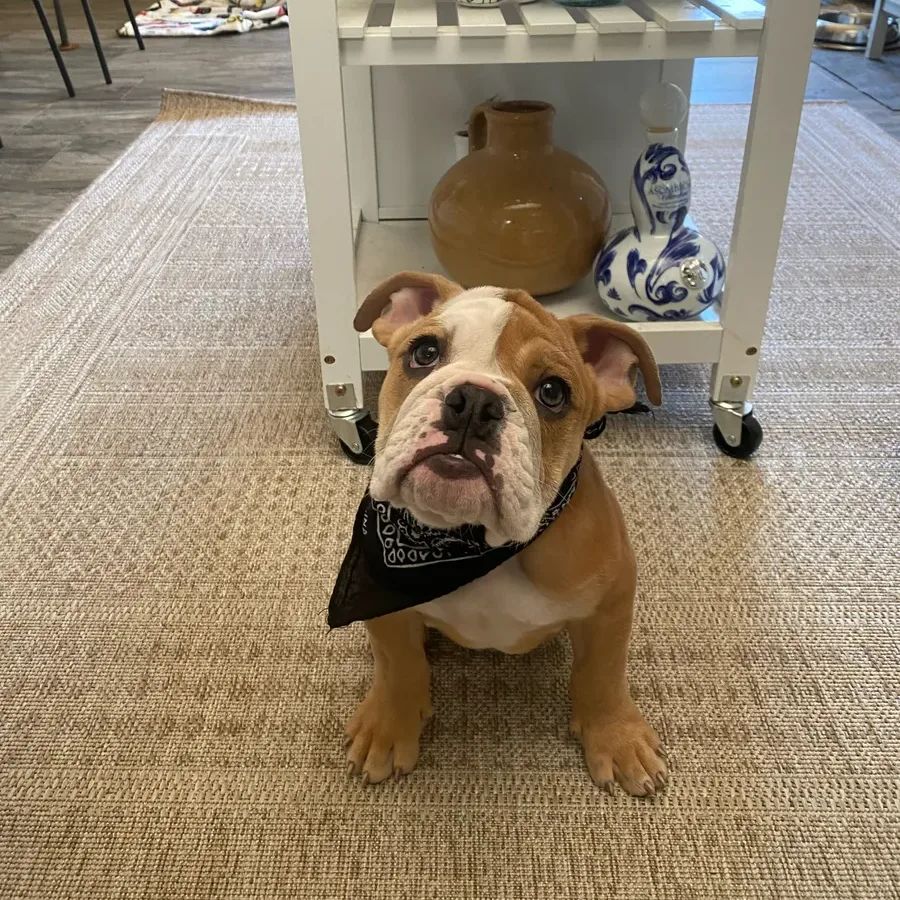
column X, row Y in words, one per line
column 622, row 747
column 383, row 735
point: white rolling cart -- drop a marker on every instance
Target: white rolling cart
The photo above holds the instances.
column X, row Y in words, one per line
column 383, row 85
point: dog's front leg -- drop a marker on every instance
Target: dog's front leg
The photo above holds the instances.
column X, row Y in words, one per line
column 383, row 734
column 618, row 743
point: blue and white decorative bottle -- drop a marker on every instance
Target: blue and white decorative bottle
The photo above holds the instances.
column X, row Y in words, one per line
column 662, row 269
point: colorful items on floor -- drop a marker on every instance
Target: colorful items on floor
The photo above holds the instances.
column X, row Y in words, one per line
column 171, row 18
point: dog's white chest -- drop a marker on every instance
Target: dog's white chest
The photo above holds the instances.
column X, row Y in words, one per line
column 498, row 611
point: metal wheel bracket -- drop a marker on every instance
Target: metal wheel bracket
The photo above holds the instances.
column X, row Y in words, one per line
column 344, row 426
column 729, row 417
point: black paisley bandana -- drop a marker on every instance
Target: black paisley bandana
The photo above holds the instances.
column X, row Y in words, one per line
column 395, row 562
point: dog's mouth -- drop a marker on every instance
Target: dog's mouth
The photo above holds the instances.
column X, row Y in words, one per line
column 455, row 462
column 452, row 466
column 451, row 483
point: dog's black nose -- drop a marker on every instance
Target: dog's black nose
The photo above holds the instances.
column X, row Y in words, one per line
column 472, row 409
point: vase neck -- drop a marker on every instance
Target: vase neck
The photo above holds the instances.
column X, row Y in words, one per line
column 660, row 190
column 520, row 127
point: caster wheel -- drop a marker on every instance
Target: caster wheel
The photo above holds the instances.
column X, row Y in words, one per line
column 751, row 438
column 367, row 428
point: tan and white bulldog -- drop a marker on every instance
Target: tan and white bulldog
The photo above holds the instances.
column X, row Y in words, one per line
column 481, row 417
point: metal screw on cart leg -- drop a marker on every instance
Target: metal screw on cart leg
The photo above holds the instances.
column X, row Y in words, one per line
column 340, row 397
column 736, row 381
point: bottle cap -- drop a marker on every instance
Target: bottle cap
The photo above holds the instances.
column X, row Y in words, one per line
column 663, row 109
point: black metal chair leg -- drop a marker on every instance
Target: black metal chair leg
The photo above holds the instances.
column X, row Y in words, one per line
column 64, row 42
column 134, row 25
column 96, row 39
column 39, row 9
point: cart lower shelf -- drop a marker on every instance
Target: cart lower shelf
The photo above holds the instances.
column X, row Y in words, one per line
column 384, row 248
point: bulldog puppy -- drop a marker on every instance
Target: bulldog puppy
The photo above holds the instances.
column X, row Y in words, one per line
column 481, row 417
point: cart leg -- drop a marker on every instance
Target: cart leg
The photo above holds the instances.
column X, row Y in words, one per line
column 359, row 116
column 323, row 143
column 781, row 76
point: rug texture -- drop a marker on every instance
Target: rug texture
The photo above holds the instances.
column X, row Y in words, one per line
column 173, row 510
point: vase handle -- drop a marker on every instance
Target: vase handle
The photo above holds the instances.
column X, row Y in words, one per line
column 478, row 125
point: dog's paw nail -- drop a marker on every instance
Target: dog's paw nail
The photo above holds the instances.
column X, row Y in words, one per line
column 351, row 768
column 609, row 787
column 649, row 788
column 348, row 740
column 398, row 774
column 662, row 752
column 660, row 779
column 365, row 778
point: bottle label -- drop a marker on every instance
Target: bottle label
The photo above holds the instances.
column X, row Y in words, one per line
column 670, row 195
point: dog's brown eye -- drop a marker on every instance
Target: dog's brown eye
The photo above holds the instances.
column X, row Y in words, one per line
column 424, row 353
column 552, row 393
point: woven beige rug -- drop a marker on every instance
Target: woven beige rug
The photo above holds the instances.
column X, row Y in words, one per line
column 173, row 509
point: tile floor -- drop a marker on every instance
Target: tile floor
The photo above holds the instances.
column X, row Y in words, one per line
column 55, row 146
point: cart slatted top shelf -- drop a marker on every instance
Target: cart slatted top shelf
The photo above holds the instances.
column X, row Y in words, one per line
column 438, row 32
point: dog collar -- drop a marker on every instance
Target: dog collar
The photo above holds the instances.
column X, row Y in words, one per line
column 595, row 429
column 394, row 562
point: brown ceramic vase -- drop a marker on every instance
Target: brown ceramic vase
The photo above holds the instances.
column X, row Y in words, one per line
column 517, row 211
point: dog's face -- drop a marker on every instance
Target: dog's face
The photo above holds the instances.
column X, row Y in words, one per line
column 486, row 400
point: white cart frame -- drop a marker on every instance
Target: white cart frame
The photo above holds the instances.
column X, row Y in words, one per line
column 341, row 47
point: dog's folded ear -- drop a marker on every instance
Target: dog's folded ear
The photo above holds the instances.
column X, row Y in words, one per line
column 400, row 300
column 615, row 351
